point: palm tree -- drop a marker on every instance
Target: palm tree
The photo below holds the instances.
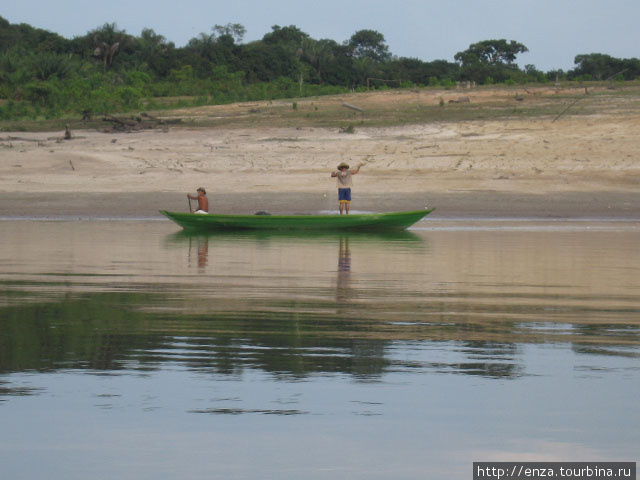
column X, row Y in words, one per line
column 107, row 42
column 318, row 53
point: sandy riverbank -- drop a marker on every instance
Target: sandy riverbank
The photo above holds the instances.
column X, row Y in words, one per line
column 575, row 166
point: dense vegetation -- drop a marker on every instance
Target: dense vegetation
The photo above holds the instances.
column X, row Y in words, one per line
column 43, row 74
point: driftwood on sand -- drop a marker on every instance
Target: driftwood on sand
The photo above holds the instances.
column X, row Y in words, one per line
column 144, row 121
column 352, row 107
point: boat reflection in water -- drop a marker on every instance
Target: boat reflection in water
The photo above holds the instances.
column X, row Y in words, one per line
column 281, row 283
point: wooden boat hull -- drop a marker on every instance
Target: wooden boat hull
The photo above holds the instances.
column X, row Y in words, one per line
column 355, row 222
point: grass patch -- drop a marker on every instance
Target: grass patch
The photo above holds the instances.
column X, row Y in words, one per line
column 385, row 108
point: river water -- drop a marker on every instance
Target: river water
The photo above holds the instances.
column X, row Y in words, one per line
column 130, row 350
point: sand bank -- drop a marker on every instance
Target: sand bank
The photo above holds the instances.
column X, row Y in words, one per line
column 580, row 166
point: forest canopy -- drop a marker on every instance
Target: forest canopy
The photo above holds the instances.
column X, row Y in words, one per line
column 109, row 70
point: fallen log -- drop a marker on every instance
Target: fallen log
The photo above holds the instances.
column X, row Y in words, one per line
column 144, row 121
column 120, row 121
column 352, row 107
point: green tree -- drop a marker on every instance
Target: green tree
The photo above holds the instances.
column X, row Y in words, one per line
column 534, row 74
column 30, row 39
column 233, row 30
column 291, row 36
column 490, row 60
column 318, row 54
column 203, row 45
column 601, row 67
column 369, row 44
column 45, row 66
column 216, row 48
column 491, row 52
column 154, row 53
column 285, row 45
column 13, row 73
column 419, row 72
column 364, row 68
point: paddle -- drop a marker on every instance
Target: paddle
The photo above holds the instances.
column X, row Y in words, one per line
column 190, row 209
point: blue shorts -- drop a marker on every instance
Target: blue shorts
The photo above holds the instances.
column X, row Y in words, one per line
column 344, row 194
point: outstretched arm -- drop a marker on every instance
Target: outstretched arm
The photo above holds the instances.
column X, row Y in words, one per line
column 353, row 172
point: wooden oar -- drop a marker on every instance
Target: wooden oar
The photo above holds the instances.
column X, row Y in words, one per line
column 190, row 209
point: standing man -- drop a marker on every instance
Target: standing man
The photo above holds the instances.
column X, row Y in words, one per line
column 203, row 201
column 344, row 182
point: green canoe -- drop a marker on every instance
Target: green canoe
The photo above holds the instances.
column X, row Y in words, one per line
column 376, row 222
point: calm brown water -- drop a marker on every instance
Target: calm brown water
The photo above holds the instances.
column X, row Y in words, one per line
column 129, row 350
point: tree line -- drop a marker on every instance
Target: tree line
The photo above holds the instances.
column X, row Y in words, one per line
column 108, row 70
